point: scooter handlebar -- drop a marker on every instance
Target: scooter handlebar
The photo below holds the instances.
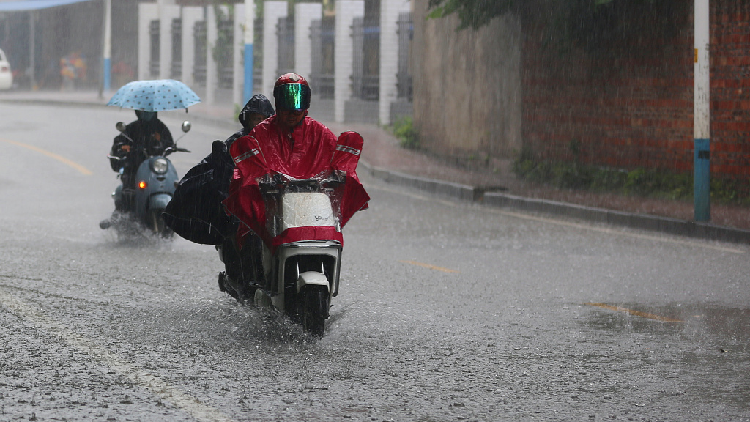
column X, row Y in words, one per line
column 281, row 181
column 170, row 150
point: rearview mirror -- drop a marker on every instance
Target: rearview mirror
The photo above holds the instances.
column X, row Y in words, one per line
column 120, row 126
column 186, row 126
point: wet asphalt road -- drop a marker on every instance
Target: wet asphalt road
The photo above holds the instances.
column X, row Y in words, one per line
column 447, row 311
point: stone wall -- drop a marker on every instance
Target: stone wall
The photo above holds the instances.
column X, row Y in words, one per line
column 467, row 92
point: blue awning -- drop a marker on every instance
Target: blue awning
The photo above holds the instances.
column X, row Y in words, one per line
column 22, row 5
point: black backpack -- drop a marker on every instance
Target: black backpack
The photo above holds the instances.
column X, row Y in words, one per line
column 195, row 211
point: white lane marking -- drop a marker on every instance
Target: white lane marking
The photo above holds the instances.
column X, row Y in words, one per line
column 592, row 227
column 136, row 374
column 60, row 158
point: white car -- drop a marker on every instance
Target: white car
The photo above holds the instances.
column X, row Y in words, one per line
column 6, row 77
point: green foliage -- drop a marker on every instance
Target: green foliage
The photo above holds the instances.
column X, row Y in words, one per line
column 608, row 180
column 476, row 13
column 595, row 25
column 237, row 109
column 405, row 132
column 572, row 176
column 638, row 182
column 733, row 191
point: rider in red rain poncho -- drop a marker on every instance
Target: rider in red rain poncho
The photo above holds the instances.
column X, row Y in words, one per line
column 293, row 144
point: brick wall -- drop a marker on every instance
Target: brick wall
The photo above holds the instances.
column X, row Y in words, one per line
column 730, row 88
column 627, row 102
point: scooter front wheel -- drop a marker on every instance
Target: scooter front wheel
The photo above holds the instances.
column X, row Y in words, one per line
column 312, row 309
column 157, row 225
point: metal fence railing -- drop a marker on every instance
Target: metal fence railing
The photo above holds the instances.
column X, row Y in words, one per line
column 285, row 34
column 405, row 36
column 366, row 77
column 154, row 54
column 258, row 55
column 225, row 52
column 200, row 34
column 175, row 69
column 322, row 37
column 365, row 35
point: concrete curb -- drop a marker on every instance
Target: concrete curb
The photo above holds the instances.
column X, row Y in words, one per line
column 437, row 187
column 619, row 218
column 666, row 225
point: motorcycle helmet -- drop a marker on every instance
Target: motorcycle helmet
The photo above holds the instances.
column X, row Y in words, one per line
column 292, row 92
column 258, row 104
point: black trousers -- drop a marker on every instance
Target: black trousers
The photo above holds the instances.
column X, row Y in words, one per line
column 244, row 263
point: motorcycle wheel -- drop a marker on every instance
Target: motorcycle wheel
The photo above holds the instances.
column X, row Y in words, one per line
column 157, row 225
column 312, row 309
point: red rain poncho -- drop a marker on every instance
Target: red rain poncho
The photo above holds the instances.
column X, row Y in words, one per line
column 311, row 150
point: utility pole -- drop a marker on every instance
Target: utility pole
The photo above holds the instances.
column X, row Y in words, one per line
column 249, row 35
column 107, row 67
column 702, row 113
column 32, row 50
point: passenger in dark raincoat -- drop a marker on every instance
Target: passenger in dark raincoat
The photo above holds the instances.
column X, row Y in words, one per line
column 195, row 212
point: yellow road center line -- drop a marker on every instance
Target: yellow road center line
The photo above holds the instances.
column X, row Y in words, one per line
column 634, row 312
column 62, row 159
column 430, row 266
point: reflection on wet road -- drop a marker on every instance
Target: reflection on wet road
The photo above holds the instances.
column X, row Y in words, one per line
column 634, row 312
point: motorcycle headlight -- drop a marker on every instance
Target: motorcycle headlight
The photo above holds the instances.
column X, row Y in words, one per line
column 159, row 166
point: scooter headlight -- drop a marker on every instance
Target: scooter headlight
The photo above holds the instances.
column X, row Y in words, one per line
column 160, row 165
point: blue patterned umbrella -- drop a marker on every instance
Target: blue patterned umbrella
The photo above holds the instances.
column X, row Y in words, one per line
column 158, row 95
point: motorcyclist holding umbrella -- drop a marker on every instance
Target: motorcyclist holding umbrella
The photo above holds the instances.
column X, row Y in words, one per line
column 146, row 139
column 146, row 134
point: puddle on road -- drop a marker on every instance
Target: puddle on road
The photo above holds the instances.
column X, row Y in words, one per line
column 728, row 322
